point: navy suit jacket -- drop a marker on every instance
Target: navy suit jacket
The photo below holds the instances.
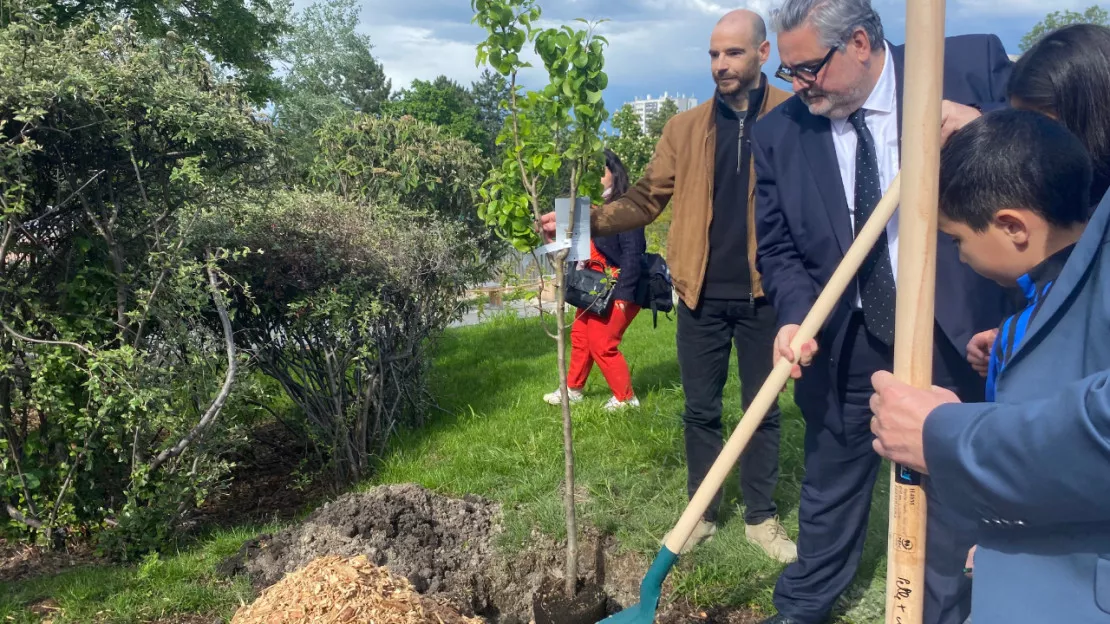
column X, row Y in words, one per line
column 803, row 226
column 1034, row 468
column 623, row 251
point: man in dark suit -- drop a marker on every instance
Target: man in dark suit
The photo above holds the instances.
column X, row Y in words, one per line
column 823, row 159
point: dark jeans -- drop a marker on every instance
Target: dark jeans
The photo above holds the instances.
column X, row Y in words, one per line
column 835, row 503
column 705, row 339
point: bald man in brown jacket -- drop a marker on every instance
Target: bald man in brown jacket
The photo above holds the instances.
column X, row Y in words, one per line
column 702, row 166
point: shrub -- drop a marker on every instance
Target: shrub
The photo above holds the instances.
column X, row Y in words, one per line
column 384, row 160
column 115, row 356
column 340, row 304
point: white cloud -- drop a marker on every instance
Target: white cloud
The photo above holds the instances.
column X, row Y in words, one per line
column 707, row 7
column 1010, row 8
column 667, row 37
column 654, row 45
column 410, row 52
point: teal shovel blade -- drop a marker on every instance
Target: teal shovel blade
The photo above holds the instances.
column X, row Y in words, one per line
column 651, row 587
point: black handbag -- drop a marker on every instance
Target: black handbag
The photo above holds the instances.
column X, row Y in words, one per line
column 589, row 289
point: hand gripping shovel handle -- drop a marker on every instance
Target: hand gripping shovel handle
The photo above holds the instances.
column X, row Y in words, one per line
column 644, row 611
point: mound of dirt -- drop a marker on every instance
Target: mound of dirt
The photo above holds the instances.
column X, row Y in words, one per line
column 440, row 545
column 444, row 548
column 334, row 589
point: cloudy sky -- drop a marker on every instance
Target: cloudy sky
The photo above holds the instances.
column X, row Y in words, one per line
column 655, row 45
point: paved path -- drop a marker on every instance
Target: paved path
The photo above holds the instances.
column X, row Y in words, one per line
column 474, row 315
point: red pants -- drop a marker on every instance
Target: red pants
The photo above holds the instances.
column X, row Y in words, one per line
column 595, row 338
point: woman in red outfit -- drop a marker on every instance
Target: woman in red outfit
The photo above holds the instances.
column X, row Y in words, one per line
column 596, row 339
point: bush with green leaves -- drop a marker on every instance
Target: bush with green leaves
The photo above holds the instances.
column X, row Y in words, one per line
column 116, row 354
column 404, row 161
column 340, row 304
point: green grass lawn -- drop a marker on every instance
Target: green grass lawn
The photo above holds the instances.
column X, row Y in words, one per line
column 496, row 438
column 158, row 587
column 503, row 442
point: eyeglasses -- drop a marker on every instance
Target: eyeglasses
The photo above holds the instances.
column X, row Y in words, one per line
column 805, row 74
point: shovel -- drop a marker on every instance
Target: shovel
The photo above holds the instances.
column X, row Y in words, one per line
column 651, row 586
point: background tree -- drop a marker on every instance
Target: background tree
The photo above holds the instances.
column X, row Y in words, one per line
column 445, row 103
column 659, row 118
column 366, row 160
column 634, row 147
column 239, row 35
column 491, row 95
column 1093, row 15
column 331, row 71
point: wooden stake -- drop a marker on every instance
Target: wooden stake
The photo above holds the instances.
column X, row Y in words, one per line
column 916, row 283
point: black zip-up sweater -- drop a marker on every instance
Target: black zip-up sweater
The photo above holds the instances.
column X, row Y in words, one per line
column 727, row 275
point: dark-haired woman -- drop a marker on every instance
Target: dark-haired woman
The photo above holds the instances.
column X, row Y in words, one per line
column 1065, row 75
column 594, row 338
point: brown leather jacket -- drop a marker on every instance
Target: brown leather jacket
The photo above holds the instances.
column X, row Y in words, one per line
column 682, row 169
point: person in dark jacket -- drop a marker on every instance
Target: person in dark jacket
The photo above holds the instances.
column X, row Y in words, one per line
column 596, row 338
column 1065, row 75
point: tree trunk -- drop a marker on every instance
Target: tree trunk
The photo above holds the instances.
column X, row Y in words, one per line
column 568, row 431
column 568, row 435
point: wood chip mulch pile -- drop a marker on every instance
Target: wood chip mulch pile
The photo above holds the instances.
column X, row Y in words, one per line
column 337, row 589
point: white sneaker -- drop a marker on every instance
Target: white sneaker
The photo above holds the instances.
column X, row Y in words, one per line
column 614, row 405
column 556, row 398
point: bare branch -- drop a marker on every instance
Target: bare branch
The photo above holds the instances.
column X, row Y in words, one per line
column 69, row 479
column 150, row 299
column 65, row 201
column 229, row 380
column 61, row 343
column 4, row 246
column 138, row 180
column 26, row 492
column 19, row 517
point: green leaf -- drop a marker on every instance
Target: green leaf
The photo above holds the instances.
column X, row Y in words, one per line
column 593, row 97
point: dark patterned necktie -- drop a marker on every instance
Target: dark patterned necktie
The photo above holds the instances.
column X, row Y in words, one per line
column 876, row 278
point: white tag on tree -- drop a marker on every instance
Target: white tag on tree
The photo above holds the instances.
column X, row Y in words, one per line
column 579, row 242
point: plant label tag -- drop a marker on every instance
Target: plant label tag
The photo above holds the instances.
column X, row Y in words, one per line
column 579, row 241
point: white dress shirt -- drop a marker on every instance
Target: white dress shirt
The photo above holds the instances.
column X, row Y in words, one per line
column 881, row 117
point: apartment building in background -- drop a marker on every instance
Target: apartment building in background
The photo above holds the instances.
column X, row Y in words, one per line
column 648, row 106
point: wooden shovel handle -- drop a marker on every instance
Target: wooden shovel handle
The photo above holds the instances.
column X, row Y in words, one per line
column 913, row 328
column 768, row 394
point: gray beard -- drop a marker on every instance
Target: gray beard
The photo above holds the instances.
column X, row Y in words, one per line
column 838, row 106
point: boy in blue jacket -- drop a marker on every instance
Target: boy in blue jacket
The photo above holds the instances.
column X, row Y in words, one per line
column 1014, row 194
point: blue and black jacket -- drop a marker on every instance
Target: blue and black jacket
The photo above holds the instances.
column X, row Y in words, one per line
column 623, row 251
column 1035, row 286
